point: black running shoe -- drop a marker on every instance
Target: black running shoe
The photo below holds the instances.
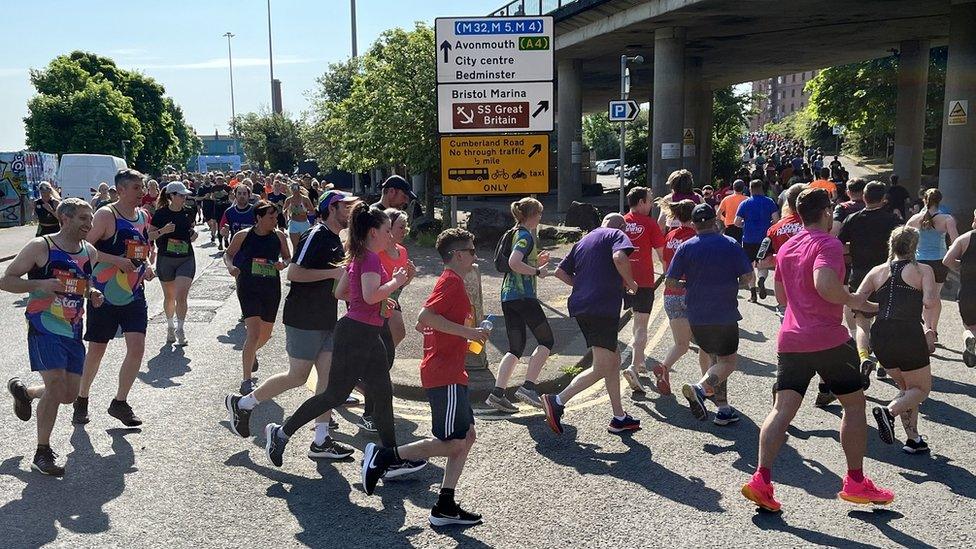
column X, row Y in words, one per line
column 80, row 415
column 254, row 368
column 915, row 447
column 456, row 517
column 886, row 424
column 696, row 401
column 867, row 366
column 753, row 294
column 274, row 444
column 404, row 467
column 762, row 288
column 330, row 449
column 45, row 462
column 969, row 354
column 240, row 419
column 248, row 386
column 554, row 413
column 376, row 461
column 882, row 373
column 22, row 401
column 120, row 410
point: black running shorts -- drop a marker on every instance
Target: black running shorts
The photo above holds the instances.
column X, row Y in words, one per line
column 939, row 268
column 838, row 367
column 900, row 345
column 641, row 302
column 599, row 331
column 716, row 339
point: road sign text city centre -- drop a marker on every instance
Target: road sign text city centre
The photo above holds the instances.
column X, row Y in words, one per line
column 494, row 50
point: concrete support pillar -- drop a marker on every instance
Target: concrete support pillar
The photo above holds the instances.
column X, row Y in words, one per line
column 957, row 173
column 692, row 117
column 569, row 110
column 704, row 135
column 913, row 76
column 668, row 111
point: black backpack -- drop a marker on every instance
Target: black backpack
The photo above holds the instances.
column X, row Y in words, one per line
column 503, row 250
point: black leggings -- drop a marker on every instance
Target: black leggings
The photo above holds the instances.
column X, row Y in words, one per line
column 522, row 313
column 390, row 357
column 359, row 354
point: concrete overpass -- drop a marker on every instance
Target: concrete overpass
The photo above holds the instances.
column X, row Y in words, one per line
column 692, row 47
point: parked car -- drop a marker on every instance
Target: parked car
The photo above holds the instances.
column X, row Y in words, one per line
column 78, row 174
column 606, row 167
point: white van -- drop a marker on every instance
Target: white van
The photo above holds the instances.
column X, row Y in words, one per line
column 78, row 174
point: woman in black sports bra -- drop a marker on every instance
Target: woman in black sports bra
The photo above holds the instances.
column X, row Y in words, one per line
column 903, row 288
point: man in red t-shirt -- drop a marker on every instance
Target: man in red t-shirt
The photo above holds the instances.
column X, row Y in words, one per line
column 446, row 320
column 644, row 234
column 784, row 229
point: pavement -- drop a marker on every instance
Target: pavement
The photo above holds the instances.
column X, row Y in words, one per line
column 184, row 480
column 13, row 239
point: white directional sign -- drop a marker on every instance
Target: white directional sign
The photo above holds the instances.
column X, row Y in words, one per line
column 494, row 49
column 481, row 108
column 623, row 111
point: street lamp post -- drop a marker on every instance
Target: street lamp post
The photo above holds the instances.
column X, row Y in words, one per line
column 624, row 90
column 125, row 154
column 270, row 56
column 230, row 63
column 352, row 9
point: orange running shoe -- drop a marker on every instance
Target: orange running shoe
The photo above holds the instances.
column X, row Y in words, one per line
column 662, row 381
column 760, row 492
column 865, row 492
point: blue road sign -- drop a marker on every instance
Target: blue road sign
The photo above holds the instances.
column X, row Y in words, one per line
column 623, row 110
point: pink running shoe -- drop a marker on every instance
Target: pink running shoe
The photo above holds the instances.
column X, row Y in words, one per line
column 865, row 492
column 760, row 492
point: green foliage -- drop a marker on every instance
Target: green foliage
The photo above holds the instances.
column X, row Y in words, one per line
column 87, row 104
column 270, row 140
column 863, row 96
column 379, row 110
column 802, row 124
column 731, row 113
column 601, row 136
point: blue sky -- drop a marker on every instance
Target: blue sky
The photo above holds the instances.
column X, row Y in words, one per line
column 180, row 43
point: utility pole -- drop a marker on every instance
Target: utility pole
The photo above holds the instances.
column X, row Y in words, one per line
column 230, row 63
column 624, row 91
column 352, row 9
column 270, row 56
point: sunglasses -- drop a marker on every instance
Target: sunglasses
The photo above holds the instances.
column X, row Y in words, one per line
column 469, row 250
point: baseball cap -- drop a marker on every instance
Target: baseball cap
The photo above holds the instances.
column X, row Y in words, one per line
column 397, row 182
column 177, row 187
column 334, row 196
column 702, row 213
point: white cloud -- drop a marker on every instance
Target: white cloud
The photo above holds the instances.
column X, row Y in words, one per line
column 221, row 63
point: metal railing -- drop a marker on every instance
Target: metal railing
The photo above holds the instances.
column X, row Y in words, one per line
column 530, row 7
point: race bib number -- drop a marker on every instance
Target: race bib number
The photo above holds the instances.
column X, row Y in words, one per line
column 72, row 284
column 261, row 267
column 136, row 250
column 177, row 247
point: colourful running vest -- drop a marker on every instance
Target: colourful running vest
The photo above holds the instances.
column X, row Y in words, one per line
column 60, row 313
column 130, row 240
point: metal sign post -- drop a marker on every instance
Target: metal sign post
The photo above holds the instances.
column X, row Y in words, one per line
column 624, row 111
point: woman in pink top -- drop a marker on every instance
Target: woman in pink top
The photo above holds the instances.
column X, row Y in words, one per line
column 359, row 350
column 674, row 298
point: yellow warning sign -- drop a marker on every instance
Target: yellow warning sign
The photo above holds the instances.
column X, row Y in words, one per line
column 494, row 164
column 958, row 112
column 689, row 137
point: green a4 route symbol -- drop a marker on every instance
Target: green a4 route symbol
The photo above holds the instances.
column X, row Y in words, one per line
column 527, row 43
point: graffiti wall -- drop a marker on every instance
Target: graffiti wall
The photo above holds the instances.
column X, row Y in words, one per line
column 20, row 173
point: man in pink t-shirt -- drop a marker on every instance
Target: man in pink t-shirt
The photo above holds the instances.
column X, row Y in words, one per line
column 813, row 340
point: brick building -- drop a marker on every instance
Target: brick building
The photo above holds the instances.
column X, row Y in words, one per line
column 783, row 95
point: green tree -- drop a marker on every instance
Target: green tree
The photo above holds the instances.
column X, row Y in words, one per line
column 601, row 136
column 380, row 110
column 731, row 113
column 270, row 140
column 58, row 122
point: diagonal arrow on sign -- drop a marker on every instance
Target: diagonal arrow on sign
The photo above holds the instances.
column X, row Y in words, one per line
column 543, row 106
column 537, row 148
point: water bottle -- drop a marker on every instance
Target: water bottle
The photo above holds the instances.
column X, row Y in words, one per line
column 763, row 249
column 476, row 346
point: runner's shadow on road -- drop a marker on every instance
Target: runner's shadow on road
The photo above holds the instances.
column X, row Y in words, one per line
column 757, row 336
column 937, row 411
column 171, row 362
column 635, row 465
column 21, row 303
column 742, row 438
column 74, row 502
column 951, row 386
column 234, row 337
column 756, row 368
column 777, row 523
column 882, row 518
column 930, row 468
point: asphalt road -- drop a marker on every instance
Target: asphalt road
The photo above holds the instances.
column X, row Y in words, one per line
column 185, row 480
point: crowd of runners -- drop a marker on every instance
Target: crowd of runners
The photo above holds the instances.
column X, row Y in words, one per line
column 857, row 275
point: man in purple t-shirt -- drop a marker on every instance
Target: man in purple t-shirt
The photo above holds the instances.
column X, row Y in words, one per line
column 813, row 340
column 598, row 269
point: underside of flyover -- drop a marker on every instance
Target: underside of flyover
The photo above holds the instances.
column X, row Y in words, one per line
column 738, row 40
